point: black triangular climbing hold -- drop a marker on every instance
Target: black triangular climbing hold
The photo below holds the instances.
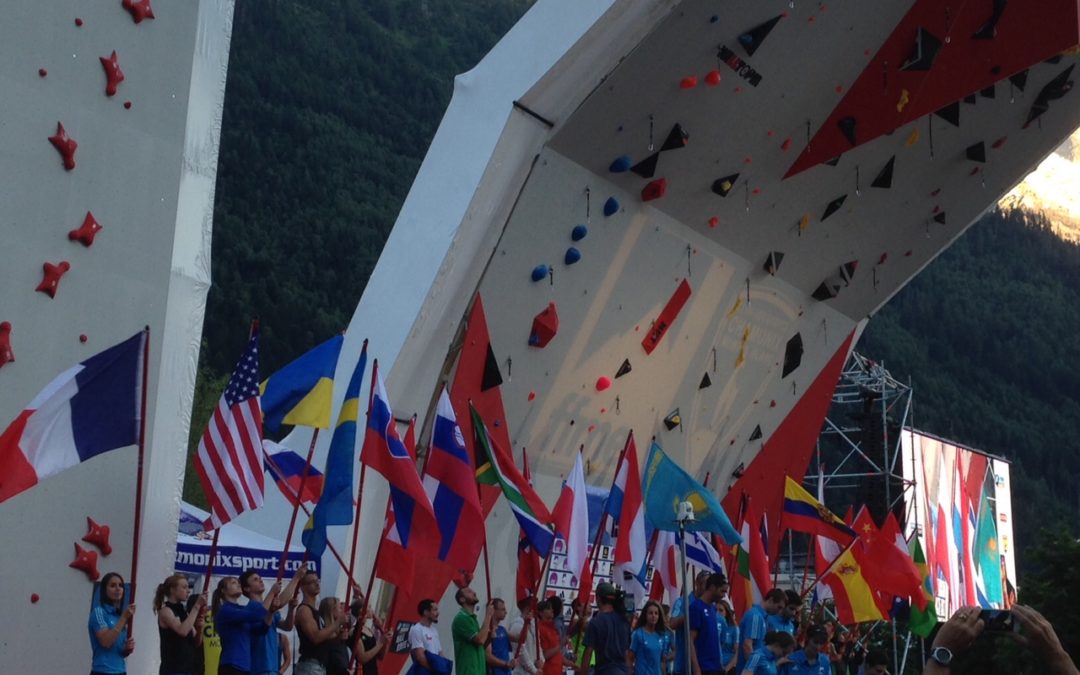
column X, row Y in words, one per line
column 988, row 30
column 646, row 168
column 1053, row 60
column 752, row 39
column 793, row 352
column 833, row 162
column 676, row 138
column 1019, row 80
column 706, row 381
column 976, row 152
column 926, row 49
column 722, row 186
column 847, row 271
column 939, row 217
column 847, row 127
column 756, row 433
column 1054, row 89
column 826, row 291
column 492, row 377
column 988, row 92
column 970, row 98
column 884, row 177
column 833, row 206
column 674, row 419
column 772, row 261
column 623, row 369
column 950, row 113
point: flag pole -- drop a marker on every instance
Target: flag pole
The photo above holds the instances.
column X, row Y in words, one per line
column 296, row 506
column 487, row 564
column 360, row 495
column 139, row 469
column 829, row 568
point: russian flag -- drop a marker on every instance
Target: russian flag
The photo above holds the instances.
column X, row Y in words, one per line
column 287, row 468
column 88, row 409
column 383, row 451
column 626, row 506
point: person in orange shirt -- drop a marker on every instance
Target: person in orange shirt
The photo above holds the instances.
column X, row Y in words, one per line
column 550, row 643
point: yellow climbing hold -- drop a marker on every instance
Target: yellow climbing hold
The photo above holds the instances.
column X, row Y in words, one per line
column 912, row 138
column 904, row 98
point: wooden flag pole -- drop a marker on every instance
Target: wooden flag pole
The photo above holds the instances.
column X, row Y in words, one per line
column 296, row 506
column 487, row 564
column 139, row 470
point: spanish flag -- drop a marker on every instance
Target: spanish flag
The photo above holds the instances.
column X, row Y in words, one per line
column 803, row 513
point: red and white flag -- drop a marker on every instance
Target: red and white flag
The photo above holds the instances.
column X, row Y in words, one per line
column 229, row 461
column 571, row 517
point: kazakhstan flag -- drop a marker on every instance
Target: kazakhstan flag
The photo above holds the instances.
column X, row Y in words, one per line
column 300, row 392
column 665, row 485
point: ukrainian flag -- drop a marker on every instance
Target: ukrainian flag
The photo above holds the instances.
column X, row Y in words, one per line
column 300, row 393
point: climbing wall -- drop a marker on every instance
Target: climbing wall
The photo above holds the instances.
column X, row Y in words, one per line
column 108, row 153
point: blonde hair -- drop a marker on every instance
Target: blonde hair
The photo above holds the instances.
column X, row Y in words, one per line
column 164, row 588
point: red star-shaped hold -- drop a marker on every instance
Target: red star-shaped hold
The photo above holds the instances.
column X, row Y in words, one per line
column 113, row 75
column 6, row 355
column 65, row 146
column 87, row 231
column 86, row 562
column 98, row 536
column 139, row 9
column 51, row 281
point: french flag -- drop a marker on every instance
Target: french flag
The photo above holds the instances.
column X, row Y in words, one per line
column 625, row 505
column 287, row 468
column 383, row 451
column 88, row 409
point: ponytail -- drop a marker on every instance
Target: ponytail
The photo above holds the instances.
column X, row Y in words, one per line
column 164, row 588
column 218, row 597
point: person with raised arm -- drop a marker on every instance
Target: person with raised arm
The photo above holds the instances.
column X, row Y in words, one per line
column 265, row 645
column 180, row 626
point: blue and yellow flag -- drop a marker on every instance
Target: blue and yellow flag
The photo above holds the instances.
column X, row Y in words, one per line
column 335, row 505
column 666, row 485
column 300, row 393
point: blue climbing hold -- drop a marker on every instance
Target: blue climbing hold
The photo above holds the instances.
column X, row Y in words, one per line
column 621, row 164
column 611, row 206
column 714, row 18
column 572, row 255
column 540, row 272
column 579, row 232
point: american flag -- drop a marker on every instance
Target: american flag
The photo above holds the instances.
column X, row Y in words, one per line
column 229, row 461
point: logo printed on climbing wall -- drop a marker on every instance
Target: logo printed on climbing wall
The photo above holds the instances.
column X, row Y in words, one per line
column 741, row 68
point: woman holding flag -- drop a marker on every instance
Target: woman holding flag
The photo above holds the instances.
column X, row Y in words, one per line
column 109, row 628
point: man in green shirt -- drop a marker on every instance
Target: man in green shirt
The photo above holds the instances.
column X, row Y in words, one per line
column 470, row 636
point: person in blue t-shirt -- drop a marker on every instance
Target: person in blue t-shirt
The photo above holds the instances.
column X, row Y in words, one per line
column 752, row 629
column 785, row 619
column 650, row 643
column 705, row 638
column 677, row 623
column 108, row 626
column 811, row 659
column 729, row 635
column 236, row 623
column 771, row 656
column 265, row 645
column 499, row 659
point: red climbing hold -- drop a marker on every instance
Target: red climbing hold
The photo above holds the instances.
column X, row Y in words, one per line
column 86, row 562
column 544, row 327
column 127, row 105
column 65, row 146
column 999, row 142
column 786, row 144
column 907, row 253
column 98, row 535
column 883, row 258
column 139, row 9
column 42, row 72
column 113, row 75
column 772, row 404
column 714, row 221
column 51, row 281
column 654, row 190
column 87, row 231
column 78, row 21
column 713, row 78
column 6, row 354
column 603, row 382
column 83, row 338
column 34, row 597
column 532, row 395
column 688, row 82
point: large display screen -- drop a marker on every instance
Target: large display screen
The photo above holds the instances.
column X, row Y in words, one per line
column 960, row 507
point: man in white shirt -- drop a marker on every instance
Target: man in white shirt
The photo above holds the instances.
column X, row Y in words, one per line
column 423, row 637
column 529, row 662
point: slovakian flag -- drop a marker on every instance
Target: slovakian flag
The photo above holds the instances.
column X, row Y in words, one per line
column 528, row 571
column 88, row 409
column 393, row 563
column 384, row 452
column 450, row 483
column 287, row 469
column 626, row 507
column 803, row 513
column 495, row 467
column 229, row 459
column 335, row 504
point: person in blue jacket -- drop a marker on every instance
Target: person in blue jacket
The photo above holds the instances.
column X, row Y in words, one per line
column 235, row 624
column 108, row 626
column 772, row 656
column 811, row 659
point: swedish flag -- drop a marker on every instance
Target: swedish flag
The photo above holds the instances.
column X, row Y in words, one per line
column 300, row 392
column 666, row 485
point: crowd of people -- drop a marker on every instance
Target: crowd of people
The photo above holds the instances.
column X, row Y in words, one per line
column 701, row 638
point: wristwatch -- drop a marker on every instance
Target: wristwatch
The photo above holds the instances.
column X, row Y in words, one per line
column 942, row 655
